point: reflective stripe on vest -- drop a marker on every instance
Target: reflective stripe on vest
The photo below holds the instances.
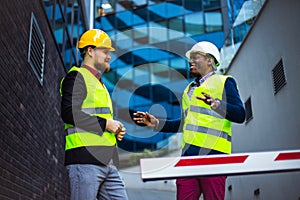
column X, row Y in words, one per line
column 208, row 131
column 81, row 139
column 96, row 103
column 205, row 111
column 203, row 126
column 102, row 110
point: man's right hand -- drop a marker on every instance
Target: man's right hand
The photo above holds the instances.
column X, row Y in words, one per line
column 114, row 126
column 145, row 118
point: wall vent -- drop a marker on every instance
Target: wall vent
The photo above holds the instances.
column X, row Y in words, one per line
column 248, row 108
column 279, row 79
column 36, row 50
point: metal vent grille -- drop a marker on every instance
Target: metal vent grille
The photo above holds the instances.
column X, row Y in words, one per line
column 279, row 79
column 248, row 108
column 36, row 51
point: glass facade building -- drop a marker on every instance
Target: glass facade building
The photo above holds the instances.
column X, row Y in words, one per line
column 149, row 70
column 242, row 15
column 66, row 18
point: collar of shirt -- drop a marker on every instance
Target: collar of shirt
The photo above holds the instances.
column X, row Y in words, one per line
column 197, row 83
column 206, row 77
column 94, row 72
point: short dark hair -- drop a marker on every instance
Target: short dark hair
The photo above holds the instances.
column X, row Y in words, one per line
column 84, row 49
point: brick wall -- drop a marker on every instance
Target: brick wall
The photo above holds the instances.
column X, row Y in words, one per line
column 32, row 140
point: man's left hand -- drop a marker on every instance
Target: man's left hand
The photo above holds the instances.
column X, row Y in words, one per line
column 214, row 103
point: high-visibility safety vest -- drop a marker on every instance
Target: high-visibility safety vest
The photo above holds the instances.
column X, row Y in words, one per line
column 97, row 103
column 203, row 127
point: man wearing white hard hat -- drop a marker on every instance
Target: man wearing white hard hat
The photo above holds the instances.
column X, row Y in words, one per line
column 209, row 104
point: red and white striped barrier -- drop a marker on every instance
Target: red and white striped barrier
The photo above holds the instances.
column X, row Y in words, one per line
column 214, row 165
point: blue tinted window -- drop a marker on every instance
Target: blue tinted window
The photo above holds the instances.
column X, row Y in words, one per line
column 140, row 34
column 137, row 19
column 67, row 26
column 58, row 27
column 210, row 4
column 157, row 32
column 193, row 5
column 58, row 14
column 166, row 10
column 173, row 10
column 49, row 6
column 110, row 20
column 213, row 21
column 124, row 39
column 139, row 2
column 106, row 24
column 194, row 24
column 176, row 28
column 125, row 17
column 67, row 52
column 129, row 19
column 151, row 54
column 68, row 14
column 119, row 65
column 240, row 31
column 178, row 63
column 216, row 37
column 142, row 13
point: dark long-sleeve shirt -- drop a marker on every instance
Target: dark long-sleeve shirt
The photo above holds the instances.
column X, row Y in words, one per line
column 233, row 110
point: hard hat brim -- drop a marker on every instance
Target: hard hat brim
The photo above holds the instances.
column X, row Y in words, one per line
column 105, row 47
column 188, row 54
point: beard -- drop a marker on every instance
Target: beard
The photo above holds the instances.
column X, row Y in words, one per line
column 194, row 73
column 103, row 67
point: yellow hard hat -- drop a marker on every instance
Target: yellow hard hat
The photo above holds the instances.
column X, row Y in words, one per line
column 95, row 37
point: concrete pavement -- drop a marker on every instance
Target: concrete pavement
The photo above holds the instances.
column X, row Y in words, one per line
column 150, row 194
column 137, row 189
column 152, row 190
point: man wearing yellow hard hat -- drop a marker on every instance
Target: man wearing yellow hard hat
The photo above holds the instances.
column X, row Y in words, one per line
column 91, row 154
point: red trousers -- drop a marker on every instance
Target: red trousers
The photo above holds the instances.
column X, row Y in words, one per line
column 212, row 188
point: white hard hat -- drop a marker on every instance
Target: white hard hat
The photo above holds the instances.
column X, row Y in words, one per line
column 206, row 47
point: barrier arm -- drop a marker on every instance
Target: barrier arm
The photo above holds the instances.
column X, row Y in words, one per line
column 214, row 165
